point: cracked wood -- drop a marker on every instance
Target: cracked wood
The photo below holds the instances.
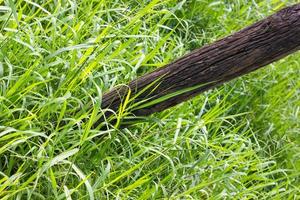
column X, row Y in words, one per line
column 240, row 53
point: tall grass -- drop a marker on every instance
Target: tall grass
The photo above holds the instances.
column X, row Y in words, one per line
column 240, row 141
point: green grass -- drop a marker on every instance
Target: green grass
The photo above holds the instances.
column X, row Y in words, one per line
column 239, row 141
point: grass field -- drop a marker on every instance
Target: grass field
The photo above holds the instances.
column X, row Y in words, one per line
column 239, row 141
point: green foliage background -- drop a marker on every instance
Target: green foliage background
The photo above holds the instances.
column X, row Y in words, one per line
column 239, row 141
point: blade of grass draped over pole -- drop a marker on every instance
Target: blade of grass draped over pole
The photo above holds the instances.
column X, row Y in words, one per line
column 240, row 53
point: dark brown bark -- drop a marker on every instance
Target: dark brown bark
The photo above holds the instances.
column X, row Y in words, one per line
column 245, row 51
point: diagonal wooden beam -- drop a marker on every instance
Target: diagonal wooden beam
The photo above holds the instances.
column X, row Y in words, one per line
column 240, row 53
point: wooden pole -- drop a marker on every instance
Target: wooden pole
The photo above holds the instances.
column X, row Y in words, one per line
column 245, row 51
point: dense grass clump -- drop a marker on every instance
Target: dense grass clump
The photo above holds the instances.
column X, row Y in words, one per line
column 239, row 141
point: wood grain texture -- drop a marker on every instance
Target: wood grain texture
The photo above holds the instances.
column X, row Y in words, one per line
column 245, row 51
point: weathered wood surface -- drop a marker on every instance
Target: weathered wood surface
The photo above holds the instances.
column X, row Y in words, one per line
column 245, row 51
